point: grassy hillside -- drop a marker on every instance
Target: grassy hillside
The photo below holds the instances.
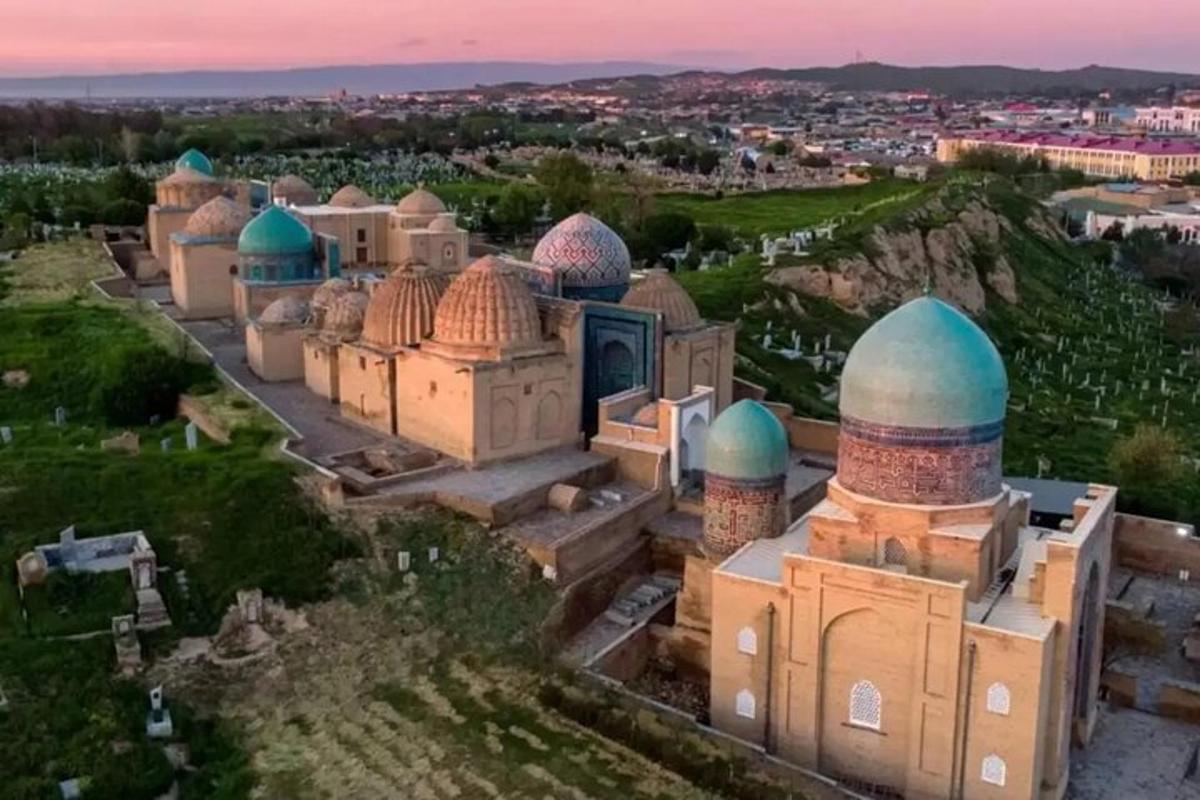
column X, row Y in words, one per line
column 1111, row 327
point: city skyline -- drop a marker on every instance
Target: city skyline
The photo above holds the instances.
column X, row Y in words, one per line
column 55, row 37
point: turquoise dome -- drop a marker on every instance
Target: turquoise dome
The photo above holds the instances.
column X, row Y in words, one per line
column 194, row 159
column 747, row 441
column 924, row 365
column 275, row 232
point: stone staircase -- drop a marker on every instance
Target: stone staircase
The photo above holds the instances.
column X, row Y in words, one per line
column 631, row 608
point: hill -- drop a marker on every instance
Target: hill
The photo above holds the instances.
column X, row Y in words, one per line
column 311, row 81
column 1092, row 353
column 980, row 79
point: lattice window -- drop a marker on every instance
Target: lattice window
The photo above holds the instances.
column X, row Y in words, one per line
column 894, row 553
column 866, row 705
column 744, row 704
column 998, row 698
column 747, row 641
column 994, row 770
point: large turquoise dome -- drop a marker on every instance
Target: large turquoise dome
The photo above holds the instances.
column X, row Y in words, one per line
column 747, row 442
column 924, row 365
column 194, row 159
column 275, row 232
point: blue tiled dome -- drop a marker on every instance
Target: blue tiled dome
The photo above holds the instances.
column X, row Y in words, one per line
column 587, row 253
column 275, row 232
column 747, row 441
column 194, row 159
column 924, row 365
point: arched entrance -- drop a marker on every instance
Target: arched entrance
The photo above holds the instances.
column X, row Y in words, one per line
column 616, row 368
column 691, row 449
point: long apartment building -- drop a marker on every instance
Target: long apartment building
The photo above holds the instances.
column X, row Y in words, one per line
column 1105, row 156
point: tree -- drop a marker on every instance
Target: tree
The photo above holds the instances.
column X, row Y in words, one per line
column 138, row 383
column 707, row 161
column 518, row 208
column 567, row 182
column 667, row 230
column 123, row 212
column 1146, row 466
column 715, row 237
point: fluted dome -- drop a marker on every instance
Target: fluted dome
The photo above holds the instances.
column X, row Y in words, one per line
column 586, row 253
column 488, row 305
column 294, row 190
column 328, row 292
column 195, row 160
column 350, row 196
column 420, row 202
column 286, row 310
column 402, row 310
column 219, row 218
column 344, row 319
column 658, row 291
column 747, row 442
column 924, row 365
column 275, row 232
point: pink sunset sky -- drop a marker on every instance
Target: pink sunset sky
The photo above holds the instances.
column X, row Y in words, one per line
column 48, row 37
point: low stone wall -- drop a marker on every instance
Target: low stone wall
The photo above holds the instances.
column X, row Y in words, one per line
column 1180, row 700
column 1122, row 688
column 1155, row 545
column 601, row 541
column 627, row 658
column 1125, row 628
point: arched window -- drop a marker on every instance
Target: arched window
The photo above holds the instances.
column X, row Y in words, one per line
column 994, row 770
column 894, row 553
column 747, row 641
column 998, row 698
column 866, row 705
column 744, row 704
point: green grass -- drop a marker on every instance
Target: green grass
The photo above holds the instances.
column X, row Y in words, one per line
column 779, row 211
column 71, row 604
column 228, row 516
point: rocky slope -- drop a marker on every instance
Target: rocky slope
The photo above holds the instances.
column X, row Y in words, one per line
column 955, row 243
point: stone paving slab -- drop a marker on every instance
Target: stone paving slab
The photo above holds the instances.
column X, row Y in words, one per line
column 1134, row 755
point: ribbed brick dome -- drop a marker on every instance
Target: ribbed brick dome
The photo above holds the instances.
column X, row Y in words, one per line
column 350, row 196
column 488, row 305
column 401, row 311
column 344, row 319
column 658, row 291
column 186, row 176
column 219, row 218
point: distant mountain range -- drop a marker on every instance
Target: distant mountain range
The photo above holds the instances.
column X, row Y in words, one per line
column 316, row 81
column 960, row 81
column 964, row 80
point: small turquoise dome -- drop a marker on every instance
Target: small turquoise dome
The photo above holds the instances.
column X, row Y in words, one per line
column 747, row 441
column 275, row 232
column 194, row 159
column 924, row 365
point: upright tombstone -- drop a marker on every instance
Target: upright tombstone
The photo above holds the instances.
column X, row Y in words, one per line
column 158, row 721
column 404, row 561
column 165, row 444
column 6, row 435
column 434, row 554
column 60, row 416
column 192, row 434
column 250, row 606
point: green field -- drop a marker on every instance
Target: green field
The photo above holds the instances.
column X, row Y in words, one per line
column 777, row 212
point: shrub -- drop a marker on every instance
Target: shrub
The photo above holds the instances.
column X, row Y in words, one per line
column 138, row 383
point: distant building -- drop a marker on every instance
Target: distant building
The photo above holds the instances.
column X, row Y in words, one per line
column 1110, row 156
column 1177, row 119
